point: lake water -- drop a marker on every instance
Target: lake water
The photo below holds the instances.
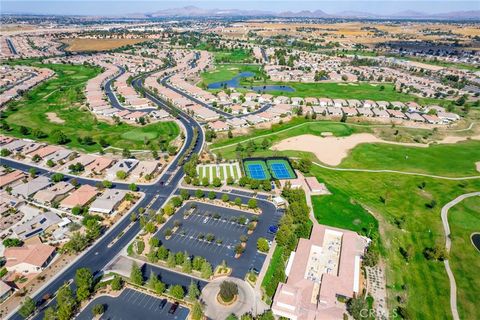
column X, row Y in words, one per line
column 235, row 83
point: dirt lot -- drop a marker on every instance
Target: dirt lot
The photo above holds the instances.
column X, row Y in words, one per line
column 98, row 44
column 355, row 32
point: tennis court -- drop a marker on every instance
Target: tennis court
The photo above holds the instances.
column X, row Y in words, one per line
column 280, row 169
column 256, row 170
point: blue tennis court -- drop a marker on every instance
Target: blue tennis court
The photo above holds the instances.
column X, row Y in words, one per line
column 280, row 171
column 256, row 171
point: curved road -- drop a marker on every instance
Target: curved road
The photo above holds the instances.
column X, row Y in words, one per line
column 448, row 244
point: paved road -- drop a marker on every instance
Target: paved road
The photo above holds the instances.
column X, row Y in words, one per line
column 97, row 262
column 11, row 46
column 448, row 244
column 226, row 115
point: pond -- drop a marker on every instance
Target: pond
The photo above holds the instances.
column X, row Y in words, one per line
column 235, row 83
column 476, row 240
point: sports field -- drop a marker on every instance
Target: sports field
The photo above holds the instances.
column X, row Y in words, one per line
column 63, row 95
column 221, row 171
column 256, row 169
column 280, row 169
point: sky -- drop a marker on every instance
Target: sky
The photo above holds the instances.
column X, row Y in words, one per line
column 112, row 7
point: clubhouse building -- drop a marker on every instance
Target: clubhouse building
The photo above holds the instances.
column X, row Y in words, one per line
column 323, row 270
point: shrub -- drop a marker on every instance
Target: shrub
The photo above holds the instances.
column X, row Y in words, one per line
column 228, row 290
column 262, row 245
column 98, row 309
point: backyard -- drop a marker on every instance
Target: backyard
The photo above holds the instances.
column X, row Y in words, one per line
column 62, row 96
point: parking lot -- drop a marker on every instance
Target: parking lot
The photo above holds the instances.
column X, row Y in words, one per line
column 219, row 222
column 132, row 304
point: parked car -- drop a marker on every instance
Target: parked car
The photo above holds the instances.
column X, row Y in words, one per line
column 163, row 303
column 173, row 308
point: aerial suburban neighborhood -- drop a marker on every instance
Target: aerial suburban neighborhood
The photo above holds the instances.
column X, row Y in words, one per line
column 254, row 160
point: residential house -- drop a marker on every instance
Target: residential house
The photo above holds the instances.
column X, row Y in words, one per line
column 29, row 258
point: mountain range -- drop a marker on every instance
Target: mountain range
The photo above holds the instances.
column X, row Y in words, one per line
column 192, row 11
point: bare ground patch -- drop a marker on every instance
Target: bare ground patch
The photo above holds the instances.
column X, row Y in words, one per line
column 52, row 117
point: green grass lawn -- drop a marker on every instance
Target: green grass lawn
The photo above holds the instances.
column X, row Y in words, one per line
column 423, row 283
column 234, row 56
column 440, row 159
column 224, row 72
column 360, row 91
column 464, row 219
column 270, row 281
column 63, row 95
column 341, row 211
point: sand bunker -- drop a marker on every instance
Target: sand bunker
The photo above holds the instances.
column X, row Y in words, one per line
column 52, row 117
column 332, row 150
column 455, row 139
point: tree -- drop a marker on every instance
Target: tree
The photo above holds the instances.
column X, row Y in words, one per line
column 162, row 253
column 171, row 263
column 150, row 227
column 212, row 195
column 84, row 283
column 50, row 314
column 117, row 283
column 24, row 130
column 32, row 172
column 228, row 290
column 98, row 309
column 197, row 311
column 193, row 291
column 132, row 187
column 57, row 177
column 199, row 193
column 136, row 275
column 177, row 292
column 230, row 180
column 262, row 245
column 238, row 201
column 27, row 307
column 66, row 303
column 169, row 209
column 12, row 242
column 126, row 153
column 152, row 281
column 121, row 174
column 187, row 265
column 252, row 203
column 205, row 182
column 107, row 184
column 225, row 197
column 206, row 270
column 197, row 263
column 217, row 182
column 60, row 137
column 356, row 307
column 184, row 194
column 176, row 201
